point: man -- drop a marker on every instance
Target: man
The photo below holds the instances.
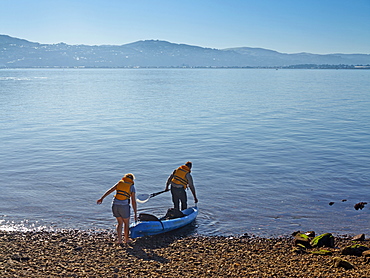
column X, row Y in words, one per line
column 179, row 180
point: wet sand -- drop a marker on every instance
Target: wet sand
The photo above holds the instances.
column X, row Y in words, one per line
column 81, row 254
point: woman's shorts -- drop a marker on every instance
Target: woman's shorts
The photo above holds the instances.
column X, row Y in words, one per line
column 121, row 211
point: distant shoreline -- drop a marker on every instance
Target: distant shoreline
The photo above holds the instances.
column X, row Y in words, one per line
column 336, row 67
column 20, row 53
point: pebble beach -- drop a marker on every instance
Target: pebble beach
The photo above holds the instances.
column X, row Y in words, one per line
column 92, row 254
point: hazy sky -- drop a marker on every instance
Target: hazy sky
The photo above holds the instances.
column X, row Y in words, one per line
column 288, row 26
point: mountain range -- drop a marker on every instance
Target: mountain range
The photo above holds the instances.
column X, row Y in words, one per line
column 20, row 53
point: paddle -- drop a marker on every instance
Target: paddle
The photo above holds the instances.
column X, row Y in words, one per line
column 142, row 198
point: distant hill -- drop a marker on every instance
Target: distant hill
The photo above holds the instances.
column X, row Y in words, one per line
column 20, row 53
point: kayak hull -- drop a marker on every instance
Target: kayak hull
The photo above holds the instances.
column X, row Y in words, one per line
column 149, row 228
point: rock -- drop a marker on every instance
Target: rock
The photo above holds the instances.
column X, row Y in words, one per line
column 299, row 250
column 360, row 205
column 355, row 250
column 296, row 233
column 245, row 236
column 339, row 262
column 310, row 234
column 323, row 240
column 366, row 253
column 360, row 237
column 19, row 258
column 302, row 240
column 322, row 252
column 331, row 203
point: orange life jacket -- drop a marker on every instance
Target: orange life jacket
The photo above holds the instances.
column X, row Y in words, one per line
column 123, row 189
column 179, row 176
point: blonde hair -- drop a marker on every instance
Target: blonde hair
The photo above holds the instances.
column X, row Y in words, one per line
column 129, row 175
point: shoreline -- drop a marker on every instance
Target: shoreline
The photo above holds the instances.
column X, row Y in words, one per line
column 83, row 254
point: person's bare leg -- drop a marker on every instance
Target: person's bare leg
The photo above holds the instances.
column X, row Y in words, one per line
column 120, row 221
column 127, row 229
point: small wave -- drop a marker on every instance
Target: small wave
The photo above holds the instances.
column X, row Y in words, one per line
column 23, row 226
column 11, row 78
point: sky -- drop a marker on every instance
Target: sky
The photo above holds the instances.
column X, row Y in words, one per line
column 287, row 26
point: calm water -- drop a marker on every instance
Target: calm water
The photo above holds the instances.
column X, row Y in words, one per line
column 270, row 148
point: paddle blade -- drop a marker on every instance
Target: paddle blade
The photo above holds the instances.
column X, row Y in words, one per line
column 142, row 198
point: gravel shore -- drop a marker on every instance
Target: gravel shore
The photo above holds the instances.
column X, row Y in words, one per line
column 82, row 254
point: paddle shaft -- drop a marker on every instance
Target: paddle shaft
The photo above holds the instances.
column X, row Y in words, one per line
column 157, row 193
column 143, row 198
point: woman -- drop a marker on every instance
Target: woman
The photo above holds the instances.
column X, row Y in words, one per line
column 125, row 190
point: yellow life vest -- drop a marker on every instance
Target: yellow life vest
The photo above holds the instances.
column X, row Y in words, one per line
column 123, row 189
column 179, row 176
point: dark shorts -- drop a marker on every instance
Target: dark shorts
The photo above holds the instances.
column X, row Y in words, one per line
column 121, row 211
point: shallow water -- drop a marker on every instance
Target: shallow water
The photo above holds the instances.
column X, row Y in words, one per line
column 270, row 148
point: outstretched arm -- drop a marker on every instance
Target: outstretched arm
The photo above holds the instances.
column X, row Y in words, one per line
column 109, row 191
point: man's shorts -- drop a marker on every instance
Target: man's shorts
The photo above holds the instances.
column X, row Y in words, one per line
column 121, row 211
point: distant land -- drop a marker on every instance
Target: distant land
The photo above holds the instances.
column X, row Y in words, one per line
column 20, row 53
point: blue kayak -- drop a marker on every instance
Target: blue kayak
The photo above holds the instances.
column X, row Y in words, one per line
column 149, row 228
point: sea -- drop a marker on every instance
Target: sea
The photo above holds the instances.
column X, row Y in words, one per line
column 273, row 151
